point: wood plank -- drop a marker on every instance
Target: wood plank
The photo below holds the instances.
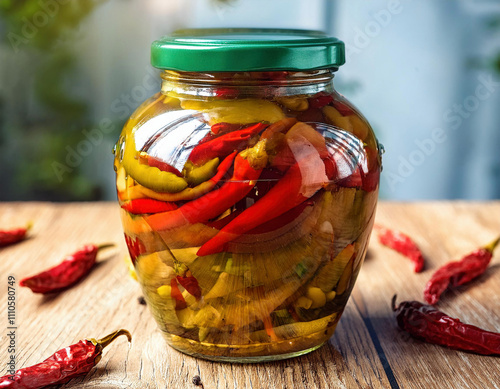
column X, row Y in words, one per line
column 444, row 231
column 107, row 300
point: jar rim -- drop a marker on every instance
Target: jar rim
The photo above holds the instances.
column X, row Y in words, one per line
column 247, row 49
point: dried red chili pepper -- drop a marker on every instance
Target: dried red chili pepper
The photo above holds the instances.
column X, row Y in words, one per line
column 141, row 206
column 73, row 268
column 213, row 203
column 403, row 244
column 459, row 272
column 426, row 323
column 8, row 237
column 224, row 144
column 72, row 361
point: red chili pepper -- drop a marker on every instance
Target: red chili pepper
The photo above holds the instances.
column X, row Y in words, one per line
column 319, row 100
column 8, row 237
column 176, row 294
column 426, row 323
column 281, row 126
column 354, row 180
column 211, row 204
column 223, row 127
column 191, row 285
column 158, row 163
column 365, row 177
column 72, row 361
column 221, row 223
column 224, row 144
column 73, row 268
column 343, row 108
column 141, row 206
column 403, row 244
column 282, row 197
column 371, row 176
column 135, row 248
column 227, row 93
column 459, row 272
column 330, row 167
column 281, row 220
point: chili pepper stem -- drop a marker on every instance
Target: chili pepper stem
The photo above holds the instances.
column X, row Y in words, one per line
column 103, row 342
column 393, row 302
column 105, row 246
column 491, row 246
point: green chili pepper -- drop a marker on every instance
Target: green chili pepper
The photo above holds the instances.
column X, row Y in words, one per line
column 149, row 176
column 195, row 175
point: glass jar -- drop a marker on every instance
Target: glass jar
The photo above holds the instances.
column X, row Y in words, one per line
column 248, row 189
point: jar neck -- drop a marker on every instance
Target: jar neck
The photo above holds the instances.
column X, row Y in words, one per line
column 247, row 84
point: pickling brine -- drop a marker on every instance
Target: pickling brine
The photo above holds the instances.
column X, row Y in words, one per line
column 247, row 199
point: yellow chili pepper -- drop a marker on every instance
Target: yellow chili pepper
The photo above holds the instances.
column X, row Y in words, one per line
column 195, row 175
column 243, row 111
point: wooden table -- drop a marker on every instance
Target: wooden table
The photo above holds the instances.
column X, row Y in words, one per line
column 367, row 350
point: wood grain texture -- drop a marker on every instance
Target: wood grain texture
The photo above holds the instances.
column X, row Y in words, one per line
column 367, row 350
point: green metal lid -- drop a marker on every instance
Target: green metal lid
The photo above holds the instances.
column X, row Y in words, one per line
column 243, row 49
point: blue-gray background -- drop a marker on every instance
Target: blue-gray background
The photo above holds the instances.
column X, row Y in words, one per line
column 425, row 73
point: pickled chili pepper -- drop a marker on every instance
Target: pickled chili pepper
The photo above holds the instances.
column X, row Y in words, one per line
column 190, row 283
column 319, row 100
column 343, row 108
column 281, row 126
column 403, row 244
column 67, row 363
column 227, row 93
column 195, row 175
column 224, row 127
column 73, row 268
column 141, row 206
column 459, row 272
column 430, row 325
column 8, row 237
column 149, row 176
column 135, row 248
column 190, row 193
column 158, row 163
column 282, row 197
column 213, row 203
column 224, row 144
column 175, row 292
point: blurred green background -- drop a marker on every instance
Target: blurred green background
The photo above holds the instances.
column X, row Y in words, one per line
column 72, row 71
